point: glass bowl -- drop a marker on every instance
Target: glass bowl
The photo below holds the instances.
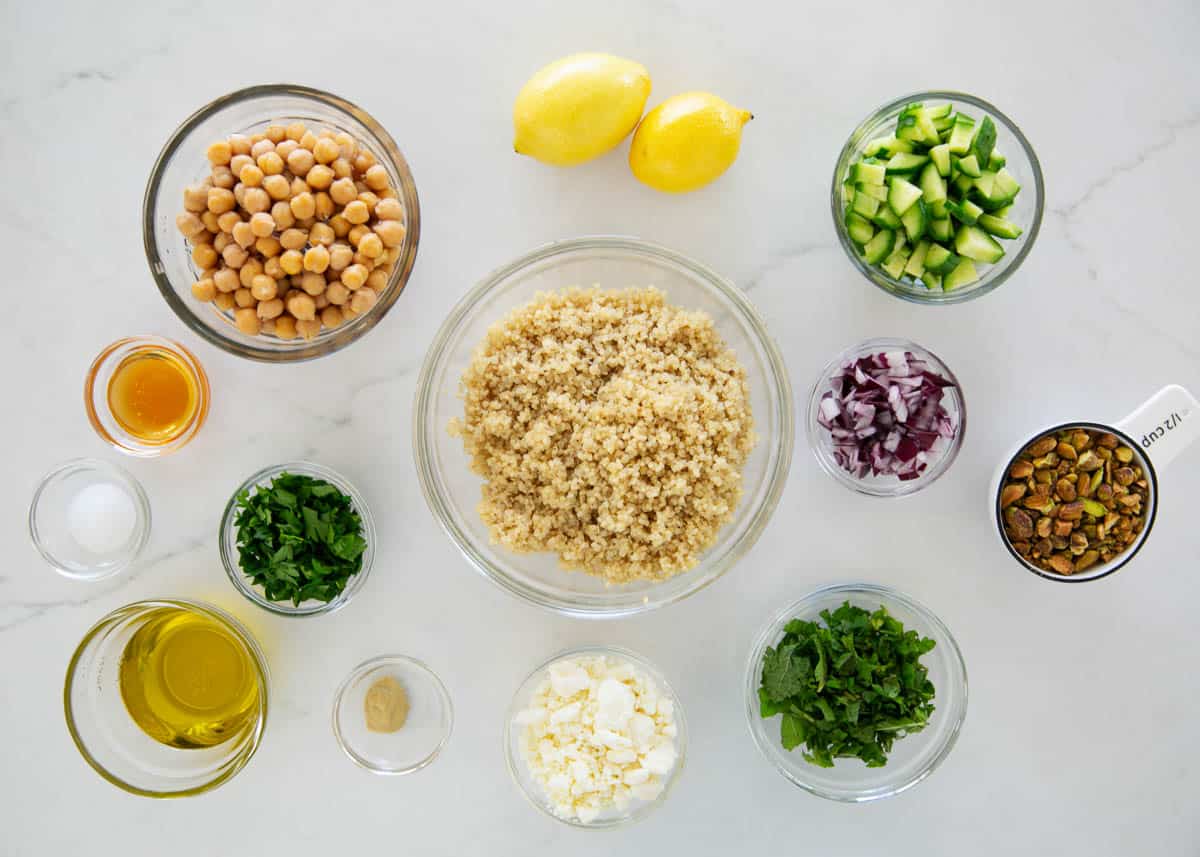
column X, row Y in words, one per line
column 100, row 375
column 183, row 162
column 821, row 442
column 913, row 757
column 1026, row 211
column 517, row 768
column 424, row 733
column 453, row 491
column 50, row 524
column 227, row 539
column 115, row 746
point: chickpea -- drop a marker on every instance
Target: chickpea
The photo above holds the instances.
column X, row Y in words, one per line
column 195, row 198
column 239, row 144
column 357, row 233
column 342, row 168
column 226, row 280
column 312, row 283
column 369, row 199
column 295, row 131
column 370, row 245
column 221, row 241
column 331, row 316
column 325, row 150
column 299, row 186
column 251, row 175
column 321, row 233
column 263, row 288
column 342, row 191
column 220, row 200
column 239, row 163
column 219, row 153
column 270, row 309
column 337, row 294
column 347, row 145
column 363, row 300
column 293, row 239
column 340, row 255
column 286, row 148
column 204, row 290
column 249, row 271
column 389, row 209
column 223, row 177
column 204, row 255
column 301, row 306
column 319, row 177
column 270, row 163
column 320, row 301
column 273, row 269
column 210, row 222
column 325, row 205
column 256, row 200
column 262, row 224
column 243, row 234
column 268, row 247
column 228, row 220
column 281, row 213
column 234, row 256
column 306, row 223
column 341, row 226
column 285, row 327
column 303, row 205
column 268, row 327
column 377, row 280
column 354, row 277
column 300, row 161
column 376, row 177
column 247, row 321
column 278, row 187
column 363, row 161
column 189, row 224
column 292, row 261
column 390, row 232
column 261, row 148
column 256, row 136
column 316, row 259
column 224, row 301
column 276, row 133
column 387, row 193
column 308, row 328
column 356, row 212
column 243, row 298
column 239, row 193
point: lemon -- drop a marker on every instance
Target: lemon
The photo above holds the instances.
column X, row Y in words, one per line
column 579, row 107
column 686, row 142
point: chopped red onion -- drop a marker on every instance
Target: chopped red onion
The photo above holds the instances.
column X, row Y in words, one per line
column 884, row 414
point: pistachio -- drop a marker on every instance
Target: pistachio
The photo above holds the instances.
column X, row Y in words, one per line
column 1020, row 470
column 1070, row 511
column 1079, row 543
column 1124, row 476
column 1129, row 501
column 1065, row 489
column 1043, row 547
column 1065, row 450
column 1019, row 522
column 1124, row 454
column 1097, row 478
column 1087, row 560
column 1038, row 503
column 1061, row 528
column 1089, row 461
column 1043, row 477
column 1046, row 461
column 1107, row 440
column 1061, row 564
column 1059, row 542
column 1104, row 492
column 1041, row 446
column 1043, row 527
column 1096, row 510
column 1010, row 494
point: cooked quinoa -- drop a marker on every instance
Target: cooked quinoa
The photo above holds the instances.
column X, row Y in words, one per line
column 609, row 428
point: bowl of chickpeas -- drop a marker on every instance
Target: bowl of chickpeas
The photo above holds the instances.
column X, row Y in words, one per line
column 281, row 222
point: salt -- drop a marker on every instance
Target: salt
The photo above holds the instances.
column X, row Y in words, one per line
column 101, row 518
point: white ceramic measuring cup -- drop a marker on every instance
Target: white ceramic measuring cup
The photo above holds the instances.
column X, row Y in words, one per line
column 1157, row 431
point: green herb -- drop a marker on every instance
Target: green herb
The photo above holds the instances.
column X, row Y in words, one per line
column 299, row 538
column 848, row 688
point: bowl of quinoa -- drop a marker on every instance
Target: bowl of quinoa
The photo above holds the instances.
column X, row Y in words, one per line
column 603, row 427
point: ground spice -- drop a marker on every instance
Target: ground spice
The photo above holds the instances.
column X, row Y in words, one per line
column 386, row 705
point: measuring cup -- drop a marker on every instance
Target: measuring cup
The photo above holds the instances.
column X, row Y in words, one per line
column 1157, row 431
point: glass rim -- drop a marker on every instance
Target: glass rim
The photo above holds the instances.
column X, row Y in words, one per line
column 778, row 391
column 300, row 350
column 771, row 632
column 227, row 538
column 898, row 288
column 244, row 753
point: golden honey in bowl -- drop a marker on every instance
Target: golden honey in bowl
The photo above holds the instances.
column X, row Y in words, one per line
column 187, row 680
column 153, row 395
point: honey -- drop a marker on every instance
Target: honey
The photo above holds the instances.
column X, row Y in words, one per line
column 153, row 395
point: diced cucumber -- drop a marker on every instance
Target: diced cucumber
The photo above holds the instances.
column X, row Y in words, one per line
column 938, row 210
column 996, row 161
column 864, row 205
column 974, row 243
column 941, row 229
column 985, row 140
column 879, row 247
column 969, row 166
column 859, row 228
column 885, row 218
column 963, row 274
column 916, row 262
column 874, row 147
column 865, row 172
column 998, row 226
column 895, row 146
column 940, row 155
column 1006, row 184
column 962, row 184
column 933, row 186
column 945, row 123
column 961, row 134
column 894, row 265
column 985, row 184
column 964, row 212
column 902, row 195
column 915, row 124
column 1002, row 211
column 905, row 163
column 876, row 190
column 915, row 221
column 939, row 111
column 931, row 280
column 938, row 257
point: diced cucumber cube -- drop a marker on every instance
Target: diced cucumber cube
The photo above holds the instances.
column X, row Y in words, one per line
column 905, row 163
column 1006, row 184
column 943, row 124
column 961, row 134
column 964, row 212
column 936, row 257
column 963, row 274
column 879, row 247
column 931, row 280
column 1002, row 211
column 933, row 186
column 985, row 140
column 876, row 190
column 941, row 229
column 974, row 243
column 915, row 221
column 868, row 173
column 859, row 228
column 885, row 218
column 874, row 147
column 996, row 161
column 962, row 184
column 940, row 111
column 895, row 147
column 969, row 166
column 916, row 262
column 902, row 195
column 940, row 155
column 864, row 205
column 999, row 226
column 985, row 184
column 894, row 265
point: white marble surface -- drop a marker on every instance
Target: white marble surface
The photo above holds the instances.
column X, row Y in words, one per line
column 1079, row 739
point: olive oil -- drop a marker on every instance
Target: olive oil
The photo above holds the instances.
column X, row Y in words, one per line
column 153, row 395
column 187, row 680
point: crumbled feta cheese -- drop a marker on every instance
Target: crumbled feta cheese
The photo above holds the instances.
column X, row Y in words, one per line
column 596, row 736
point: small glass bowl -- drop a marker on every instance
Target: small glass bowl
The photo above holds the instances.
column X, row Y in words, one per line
column 115, row 746
column 425, row 732
column 49, row 519
column 821, row 442
column 183, row 162
column 453, row 491
column 520, row 771
column 95, row 396
column 227, row 539
column 1026, row 212
column 913, row 757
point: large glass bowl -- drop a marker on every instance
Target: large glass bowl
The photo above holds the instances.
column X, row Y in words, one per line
column 453, row 491
column 913, row 757
column 1026, row 210
column 183, row 162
